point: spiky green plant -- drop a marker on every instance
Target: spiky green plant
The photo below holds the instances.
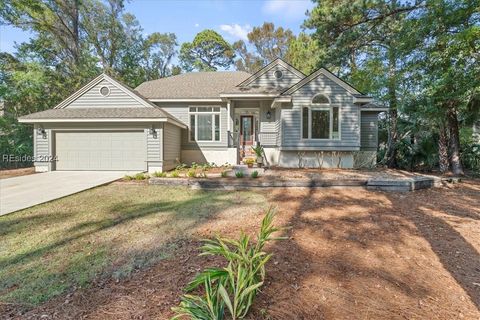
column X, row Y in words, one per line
column 239, row 282
column 210, row 307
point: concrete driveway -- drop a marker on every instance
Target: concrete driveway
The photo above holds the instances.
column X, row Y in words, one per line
column 22, row 192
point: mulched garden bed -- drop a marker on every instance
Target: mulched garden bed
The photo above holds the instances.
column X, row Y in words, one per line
column 349, row 255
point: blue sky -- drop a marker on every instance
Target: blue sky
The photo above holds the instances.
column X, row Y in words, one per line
column 233, row 19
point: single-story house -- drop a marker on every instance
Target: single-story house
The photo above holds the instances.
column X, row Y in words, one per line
column 317, row 120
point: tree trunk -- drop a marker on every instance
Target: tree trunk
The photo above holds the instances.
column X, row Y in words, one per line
column 455, row 161
column 392, row 97
column 443, row 150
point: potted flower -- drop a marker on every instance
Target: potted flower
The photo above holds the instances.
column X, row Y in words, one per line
column 249, row 162
column 259, row 153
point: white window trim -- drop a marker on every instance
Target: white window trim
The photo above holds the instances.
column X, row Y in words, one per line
column 321, row 106
column 213, row 114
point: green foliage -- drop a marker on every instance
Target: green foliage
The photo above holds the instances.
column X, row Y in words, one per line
column 239, row 174
column 160, row 174
column 236, row 285
column 269, row 43
column 224, row 173
column 128, row 178
column 258, row 150
column 175, row 174
column 210, row 307
column 304, row 53
column 254, row 174
column 208, row 52
column 141, row 176
column 191, row 173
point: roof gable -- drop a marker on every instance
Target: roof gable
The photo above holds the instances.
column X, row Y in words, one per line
column 266, row 74
column 322, row 71
column 119, row 96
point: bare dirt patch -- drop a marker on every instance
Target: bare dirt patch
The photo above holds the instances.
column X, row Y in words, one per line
column 16, row 172
column 351, row 254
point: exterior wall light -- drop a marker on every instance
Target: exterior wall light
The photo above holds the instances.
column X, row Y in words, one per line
column 42, row 132
column 269, row 115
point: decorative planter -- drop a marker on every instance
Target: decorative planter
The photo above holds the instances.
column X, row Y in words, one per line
column 250, row 165
column 259, row 161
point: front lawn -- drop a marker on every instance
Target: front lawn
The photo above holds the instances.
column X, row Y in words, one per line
column 350, row 253
column 107, row 231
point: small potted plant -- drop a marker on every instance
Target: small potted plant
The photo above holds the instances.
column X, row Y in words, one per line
column 259, row 153
column 249, row 162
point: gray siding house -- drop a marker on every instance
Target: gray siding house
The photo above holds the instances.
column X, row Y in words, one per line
column 301, row 121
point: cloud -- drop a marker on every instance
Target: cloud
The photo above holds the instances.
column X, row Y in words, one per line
column 196, row 25
column 236, row 30
column 287, row 9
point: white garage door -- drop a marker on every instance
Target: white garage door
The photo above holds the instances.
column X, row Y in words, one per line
column 101, row 150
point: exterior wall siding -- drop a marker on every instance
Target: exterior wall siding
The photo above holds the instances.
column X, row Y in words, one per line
column 369, row 131
column 93, row 99
column 172, row 140
column 349, row 117
column 180, row 111
column 41, row 150
column 268, row 78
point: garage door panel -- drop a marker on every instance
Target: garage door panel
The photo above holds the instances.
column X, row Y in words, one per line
column 100, row 150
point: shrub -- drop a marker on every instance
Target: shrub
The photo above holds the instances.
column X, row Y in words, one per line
column 160, row 174
column 175, row 174
column 249, row 161
column 254, row 174
column 194, row 165
column 127, row 178
column 239, row 174
column 191, row 173
column 258, row 151
column 234, row 286
column 141, row 176
column 181, row 166
column 224, row 173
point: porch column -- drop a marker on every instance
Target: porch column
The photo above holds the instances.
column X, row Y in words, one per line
column 229, row 118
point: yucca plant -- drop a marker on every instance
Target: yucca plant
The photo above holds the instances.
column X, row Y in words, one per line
column 239, row 282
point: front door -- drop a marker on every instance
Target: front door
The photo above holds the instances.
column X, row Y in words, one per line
column 246, row 130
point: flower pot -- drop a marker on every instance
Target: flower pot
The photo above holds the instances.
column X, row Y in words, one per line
column 250, row 165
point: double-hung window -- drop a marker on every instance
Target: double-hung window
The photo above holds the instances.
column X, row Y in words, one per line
column 204, row 123
column 321, row 120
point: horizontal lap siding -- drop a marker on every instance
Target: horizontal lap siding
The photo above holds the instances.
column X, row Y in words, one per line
column 268, row 78
column 154, row 147
column 93, row 99
column 172, row 137
column 41, row 144
column 267, row 130
column 291, row 117
column 369, row 131
column 180, row 111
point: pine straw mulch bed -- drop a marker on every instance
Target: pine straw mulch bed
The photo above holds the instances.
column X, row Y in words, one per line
column 350, row 255
column 9, row 173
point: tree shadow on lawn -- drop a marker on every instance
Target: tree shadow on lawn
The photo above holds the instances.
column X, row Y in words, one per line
column 88, row 248
column 354, row 256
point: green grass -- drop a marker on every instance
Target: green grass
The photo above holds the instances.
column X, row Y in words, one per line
column 105, row 232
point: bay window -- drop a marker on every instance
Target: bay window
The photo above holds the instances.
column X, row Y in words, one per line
column 204, row 123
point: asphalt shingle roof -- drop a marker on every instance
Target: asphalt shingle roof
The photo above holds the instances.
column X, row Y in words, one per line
column 198, row 85
column 98, row 113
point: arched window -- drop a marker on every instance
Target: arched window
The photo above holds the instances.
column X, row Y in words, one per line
column 320, row 98
column 320, row 119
